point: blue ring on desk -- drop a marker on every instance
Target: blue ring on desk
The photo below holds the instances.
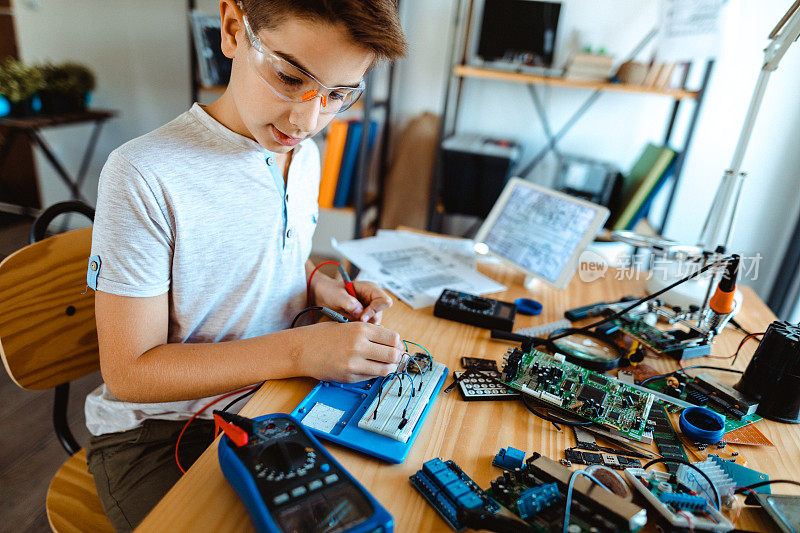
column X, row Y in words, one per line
column 705, row 426
column 526, row 306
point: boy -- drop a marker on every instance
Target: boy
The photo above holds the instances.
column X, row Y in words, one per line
column 201, row 243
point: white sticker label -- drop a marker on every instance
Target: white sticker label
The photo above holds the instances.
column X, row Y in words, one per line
column 322, row 417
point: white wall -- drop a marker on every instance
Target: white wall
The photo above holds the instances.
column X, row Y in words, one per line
column 139, row 51
column 619, row 124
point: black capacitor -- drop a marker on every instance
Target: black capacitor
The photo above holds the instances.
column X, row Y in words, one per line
column 773, row 375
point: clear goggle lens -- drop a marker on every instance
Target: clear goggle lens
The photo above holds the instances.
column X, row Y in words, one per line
column 292, row 84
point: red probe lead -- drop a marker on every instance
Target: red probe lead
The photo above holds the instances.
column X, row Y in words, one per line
column 237, row 435
column 348, row 283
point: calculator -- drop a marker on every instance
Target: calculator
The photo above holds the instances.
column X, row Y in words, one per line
column 477, row 388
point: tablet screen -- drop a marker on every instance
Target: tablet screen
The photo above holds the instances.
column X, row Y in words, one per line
column 541, row 230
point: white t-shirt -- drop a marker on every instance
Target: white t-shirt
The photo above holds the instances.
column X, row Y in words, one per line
column 202, row 212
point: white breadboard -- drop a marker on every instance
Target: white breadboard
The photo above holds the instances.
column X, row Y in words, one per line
column 543, row 330
column 389, row 416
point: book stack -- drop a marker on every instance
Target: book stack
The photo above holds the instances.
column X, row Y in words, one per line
column 659, row 75
column 589, row 67
column 653, row 168
column 338, row 180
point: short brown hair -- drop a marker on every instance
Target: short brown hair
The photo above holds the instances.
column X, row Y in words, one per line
column 373, row 24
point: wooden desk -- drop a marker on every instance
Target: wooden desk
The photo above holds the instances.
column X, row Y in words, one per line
column 470, row 433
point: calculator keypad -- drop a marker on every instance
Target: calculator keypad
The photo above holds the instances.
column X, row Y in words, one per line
column 474, row 387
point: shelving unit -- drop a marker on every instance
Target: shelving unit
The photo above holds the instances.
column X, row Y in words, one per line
column 460, row 72
column 465, row 71
column 367, row 105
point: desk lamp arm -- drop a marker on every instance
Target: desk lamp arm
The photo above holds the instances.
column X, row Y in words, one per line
column 726, row 200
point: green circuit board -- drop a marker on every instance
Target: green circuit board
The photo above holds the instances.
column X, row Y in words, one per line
column 731, row 423
column 588, row 394
column 675, row 343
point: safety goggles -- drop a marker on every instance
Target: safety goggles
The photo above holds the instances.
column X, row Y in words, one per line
column 293, row 84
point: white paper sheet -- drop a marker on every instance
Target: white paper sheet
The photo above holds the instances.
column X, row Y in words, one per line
column 689, row 29
column 461, row 249
column 413, row 270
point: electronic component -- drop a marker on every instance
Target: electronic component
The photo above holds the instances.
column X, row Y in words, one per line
column 713, row 387
column 576, row 390
column 683, row 501
column 701, row 424
column 509, row 458
column 483, row 387
column 617, row 462
column 419, row 363
column 475, row 310
column 397, row 407
column 677, row 343
column 773, row 377
column 666, row 439
column 478, row 364
column 447, row 488
column 288, row 482
column 678, row 515
column 535, row 499
column 593, row 508
column 586, row 441
column 724, row 474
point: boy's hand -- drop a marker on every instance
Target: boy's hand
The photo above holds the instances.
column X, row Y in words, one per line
column 369, row 305
column 349, row 352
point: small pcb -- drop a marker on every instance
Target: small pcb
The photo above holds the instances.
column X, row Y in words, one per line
column 678, row 344
column 665, row 437
column 447, row 487
column 618, row 462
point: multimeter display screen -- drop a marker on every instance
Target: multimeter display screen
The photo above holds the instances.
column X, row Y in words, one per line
column 505, row 312
column 333, row 510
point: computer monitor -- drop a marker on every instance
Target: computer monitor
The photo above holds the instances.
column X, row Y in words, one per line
column 521, row 32
column 540, row 231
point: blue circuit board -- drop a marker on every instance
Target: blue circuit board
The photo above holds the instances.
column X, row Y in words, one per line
column 447, row 487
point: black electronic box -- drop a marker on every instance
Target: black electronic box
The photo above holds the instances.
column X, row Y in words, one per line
column 475, row 310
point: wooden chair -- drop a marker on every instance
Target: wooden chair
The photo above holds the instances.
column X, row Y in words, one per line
column 48, row 338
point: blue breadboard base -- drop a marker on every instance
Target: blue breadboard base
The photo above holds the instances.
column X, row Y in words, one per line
column 354, row 399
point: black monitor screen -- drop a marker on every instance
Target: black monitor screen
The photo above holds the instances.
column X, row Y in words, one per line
column 522, row 31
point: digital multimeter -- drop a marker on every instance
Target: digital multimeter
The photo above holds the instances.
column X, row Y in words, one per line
column 289, row 483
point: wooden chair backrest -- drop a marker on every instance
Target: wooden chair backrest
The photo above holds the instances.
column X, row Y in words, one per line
column 48, row 334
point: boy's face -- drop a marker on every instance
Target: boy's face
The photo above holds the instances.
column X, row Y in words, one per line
column 323, row 50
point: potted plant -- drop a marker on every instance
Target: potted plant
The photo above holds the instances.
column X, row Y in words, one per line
column 66, row 87
column 18, row 83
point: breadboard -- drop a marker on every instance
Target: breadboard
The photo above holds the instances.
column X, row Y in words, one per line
column 385, row 414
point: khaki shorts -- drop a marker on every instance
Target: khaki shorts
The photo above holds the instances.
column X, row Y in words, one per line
column 134, row 469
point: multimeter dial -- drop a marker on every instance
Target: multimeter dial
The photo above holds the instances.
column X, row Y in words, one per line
column 284, row 460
